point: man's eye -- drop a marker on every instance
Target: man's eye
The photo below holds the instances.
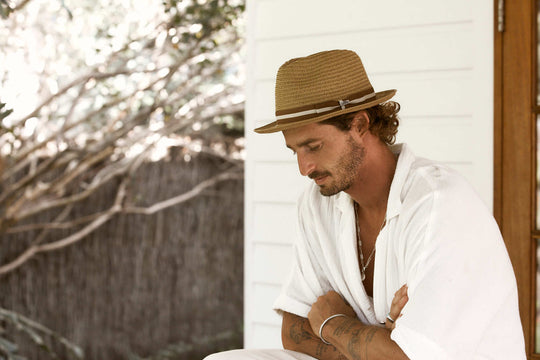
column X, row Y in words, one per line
column 315, row 148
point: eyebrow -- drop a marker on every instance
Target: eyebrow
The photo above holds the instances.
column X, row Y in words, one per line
column 304, row 143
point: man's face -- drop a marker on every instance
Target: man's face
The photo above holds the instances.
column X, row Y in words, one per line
column 329, row 156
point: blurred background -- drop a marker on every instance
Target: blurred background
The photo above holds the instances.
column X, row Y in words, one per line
column 122, row 165
column 139, row 221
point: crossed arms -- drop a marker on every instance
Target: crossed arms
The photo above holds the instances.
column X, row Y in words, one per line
column 349, row 338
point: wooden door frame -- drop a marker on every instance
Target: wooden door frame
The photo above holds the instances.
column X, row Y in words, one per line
column 514, row 143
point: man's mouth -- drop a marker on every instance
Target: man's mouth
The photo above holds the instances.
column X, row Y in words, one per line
column 318, row 177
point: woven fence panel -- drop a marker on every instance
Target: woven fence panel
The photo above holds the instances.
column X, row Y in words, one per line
column 143, row 285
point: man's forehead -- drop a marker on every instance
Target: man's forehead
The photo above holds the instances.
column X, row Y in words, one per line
column 304, row 135
column 302, row 142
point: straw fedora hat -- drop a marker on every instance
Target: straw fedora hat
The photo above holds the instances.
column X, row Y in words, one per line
column 320, row 86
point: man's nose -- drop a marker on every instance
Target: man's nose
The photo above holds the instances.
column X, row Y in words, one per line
column 305, row 164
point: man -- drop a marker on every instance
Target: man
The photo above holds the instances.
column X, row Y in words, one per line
column 396, row 256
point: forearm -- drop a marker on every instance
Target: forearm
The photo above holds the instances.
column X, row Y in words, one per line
column 297, row 335
column 358, row 341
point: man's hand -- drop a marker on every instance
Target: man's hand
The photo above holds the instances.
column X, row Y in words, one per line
column 349, row 335
column 298, row 336
column 399, row 301
column 327, row 305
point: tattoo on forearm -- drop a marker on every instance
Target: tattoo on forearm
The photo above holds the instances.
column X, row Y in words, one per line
column 321, row 348
column 361, row 352
column 370, row 334
column 352, row 345
column 298, row 333
column 344, row 328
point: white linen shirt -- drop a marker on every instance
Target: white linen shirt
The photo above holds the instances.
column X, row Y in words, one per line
column 439, row 239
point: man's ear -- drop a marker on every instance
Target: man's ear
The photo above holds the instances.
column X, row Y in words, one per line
column 360, row 122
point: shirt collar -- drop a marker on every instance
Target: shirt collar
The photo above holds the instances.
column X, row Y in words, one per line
column 403, row 167
column 393, row 207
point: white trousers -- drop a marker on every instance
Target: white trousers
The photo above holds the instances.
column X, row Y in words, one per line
column 259, row 354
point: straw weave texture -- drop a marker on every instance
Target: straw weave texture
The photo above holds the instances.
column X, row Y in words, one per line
column 329, row 75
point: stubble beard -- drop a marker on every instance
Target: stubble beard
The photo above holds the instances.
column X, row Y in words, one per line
column 345, row 172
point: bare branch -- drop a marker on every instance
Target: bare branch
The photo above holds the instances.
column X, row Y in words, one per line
column 50, row 204
column 47, row 165
column 196, row 191
column 65, row 213
column 20, row 5
column 85, row 146
column 74, row 103
column 81, row 80
column 101, row 218
column 35, row 249
column 22, row 322
column 55, row 225
column 186, row 196
column 82, row 167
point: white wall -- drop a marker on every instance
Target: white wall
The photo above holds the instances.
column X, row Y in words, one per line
column 437, row 53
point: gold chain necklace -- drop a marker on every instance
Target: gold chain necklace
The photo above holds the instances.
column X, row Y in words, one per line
column 359, row 242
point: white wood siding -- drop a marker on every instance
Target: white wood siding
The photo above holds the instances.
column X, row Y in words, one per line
column 437, row 53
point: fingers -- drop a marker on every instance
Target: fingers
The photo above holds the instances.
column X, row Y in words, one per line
column 398, row 303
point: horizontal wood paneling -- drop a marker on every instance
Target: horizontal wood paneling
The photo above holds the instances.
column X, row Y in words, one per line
column 425, row 139
column 277, row 182
column 451, row 93
column 264, row 296
column 264, row 110
column 270, row 148
column 274, row 223
column 283, row 19
column 269, row 335
column 431, row 93
column 437, row 53
column 272, row 263
column 398, row 49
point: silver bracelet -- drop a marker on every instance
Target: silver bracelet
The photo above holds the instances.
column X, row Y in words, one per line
column 324, row 323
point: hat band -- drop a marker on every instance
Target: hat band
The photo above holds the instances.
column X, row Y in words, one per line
column 341, row 104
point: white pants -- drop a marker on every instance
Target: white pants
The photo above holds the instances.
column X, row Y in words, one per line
column 259, row 354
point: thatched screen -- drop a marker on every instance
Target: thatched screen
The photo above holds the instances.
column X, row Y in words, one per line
column 143, row 285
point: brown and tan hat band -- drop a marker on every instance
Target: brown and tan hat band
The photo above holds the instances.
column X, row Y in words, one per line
column 287, row 116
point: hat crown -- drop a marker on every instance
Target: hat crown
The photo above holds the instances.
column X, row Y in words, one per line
column 328, row 76
column 320, row 86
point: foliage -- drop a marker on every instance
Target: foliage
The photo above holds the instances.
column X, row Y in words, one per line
column 175, row 351
column 115, row 91
column 5, row 8
column 4, row 113
column 36, row 333
column 97, row 88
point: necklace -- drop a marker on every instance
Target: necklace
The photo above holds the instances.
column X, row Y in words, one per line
column 363, row 266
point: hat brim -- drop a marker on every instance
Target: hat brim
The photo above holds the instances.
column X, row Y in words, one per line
column 275, row 126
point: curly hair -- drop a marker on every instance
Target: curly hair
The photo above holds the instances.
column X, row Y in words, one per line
column 383, row 121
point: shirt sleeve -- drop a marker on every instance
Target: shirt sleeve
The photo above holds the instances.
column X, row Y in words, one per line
column 306, row 281
column 459, row 276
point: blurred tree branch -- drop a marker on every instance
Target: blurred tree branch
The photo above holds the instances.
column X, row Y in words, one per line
column 111, row 94
column 37, row 334
column 178, row 82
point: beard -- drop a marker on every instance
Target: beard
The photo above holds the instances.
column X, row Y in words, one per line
column 344, row 173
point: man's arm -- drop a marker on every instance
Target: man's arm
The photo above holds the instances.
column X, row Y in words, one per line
column 361, row 342
column 297, row 335
column 349, row 335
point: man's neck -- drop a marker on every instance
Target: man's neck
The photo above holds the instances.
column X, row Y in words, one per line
column 370, row 191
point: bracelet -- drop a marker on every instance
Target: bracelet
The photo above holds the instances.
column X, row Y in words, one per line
column 324, row 323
